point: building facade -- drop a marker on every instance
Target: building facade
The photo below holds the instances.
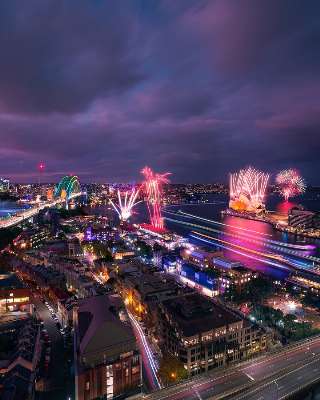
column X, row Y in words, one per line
column 107, row 361
column 204, row 335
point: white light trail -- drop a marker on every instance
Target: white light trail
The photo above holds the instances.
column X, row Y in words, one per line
column 284, row 244
column 255, row 241
column 146, row 347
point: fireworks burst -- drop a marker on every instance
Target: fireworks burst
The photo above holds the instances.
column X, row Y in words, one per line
column 153, row 187
column 291, row 183
column 247, row 189
column 125, row 205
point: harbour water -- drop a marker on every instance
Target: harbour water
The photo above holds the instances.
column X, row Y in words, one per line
column 8, row 208
column 212, row 210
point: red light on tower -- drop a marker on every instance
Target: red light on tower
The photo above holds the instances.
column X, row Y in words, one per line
column 41, row 167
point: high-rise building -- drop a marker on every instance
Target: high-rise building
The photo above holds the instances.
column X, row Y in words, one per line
column 4, row 185
column 107, row 362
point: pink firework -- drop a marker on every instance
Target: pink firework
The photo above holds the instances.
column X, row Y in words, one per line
column 153, row 188
column 291, row 183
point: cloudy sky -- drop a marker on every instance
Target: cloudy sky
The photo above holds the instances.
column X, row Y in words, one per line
column 101, row 88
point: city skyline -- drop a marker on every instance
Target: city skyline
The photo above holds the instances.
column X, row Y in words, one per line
column 199, row 88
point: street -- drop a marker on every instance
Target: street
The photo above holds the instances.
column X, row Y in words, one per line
column 148, row 362
column 56, row 373
column 269, row 377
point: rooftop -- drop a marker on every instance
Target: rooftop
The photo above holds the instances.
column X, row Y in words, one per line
column 195, row 315
column 10, row 281
column 101, row 332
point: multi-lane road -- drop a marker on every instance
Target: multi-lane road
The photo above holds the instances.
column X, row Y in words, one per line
column 269, row 377
column 22, row 216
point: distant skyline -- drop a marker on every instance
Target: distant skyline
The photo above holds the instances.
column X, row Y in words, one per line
column 198, row 88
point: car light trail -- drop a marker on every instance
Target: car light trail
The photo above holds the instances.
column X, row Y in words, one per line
column 146, row 347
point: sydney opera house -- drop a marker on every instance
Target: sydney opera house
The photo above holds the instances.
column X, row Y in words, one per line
column 247, row 190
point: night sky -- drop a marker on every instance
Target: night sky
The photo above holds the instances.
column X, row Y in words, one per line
column 101, row 88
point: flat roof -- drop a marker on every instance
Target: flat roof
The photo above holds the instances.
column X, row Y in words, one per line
column 10, row 281
column 195, row 314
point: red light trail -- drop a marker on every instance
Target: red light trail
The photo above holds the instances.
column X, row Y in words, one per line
column 153, row 188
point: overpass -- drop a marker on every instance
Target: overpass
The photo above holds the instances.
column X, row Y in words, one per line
column 277, row 375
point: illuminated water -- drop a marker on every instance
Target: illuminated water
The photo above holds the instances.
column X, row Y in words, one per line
column 213, row 211
column 8, row 208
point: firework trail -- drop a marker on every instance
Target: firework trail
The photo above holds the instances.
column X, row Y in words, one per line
column 247, row 189
column 153, row 188
column 124, row 206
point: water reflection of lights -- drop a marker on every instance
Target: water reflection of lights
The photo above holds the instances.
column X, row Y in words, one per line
column 212, row 240
column 182, row 213
column 254, row 241
column 284, row 244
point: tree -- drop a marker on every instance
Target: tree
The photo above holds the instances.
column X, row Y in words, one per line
column 171, row 370
column 254, row 291
column 144, row 249
column 157, row 247
column 99, row 250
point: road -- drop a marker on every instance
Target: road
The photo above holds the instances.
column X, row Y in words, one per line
column 150, row 366
column 269, row 377
column 16, row 219
column 290, row 382
column 56, row 371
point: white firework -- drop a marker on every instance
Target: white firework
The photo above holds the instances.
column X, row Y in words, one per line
column 125, row 204
column 250, row 183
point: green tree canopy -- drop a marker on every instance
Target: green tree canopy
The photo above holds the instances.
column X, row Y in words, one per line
column 171, row 370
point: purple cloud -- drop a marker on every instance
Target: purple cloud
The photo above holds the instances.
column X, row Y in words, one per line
column 196, row 87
